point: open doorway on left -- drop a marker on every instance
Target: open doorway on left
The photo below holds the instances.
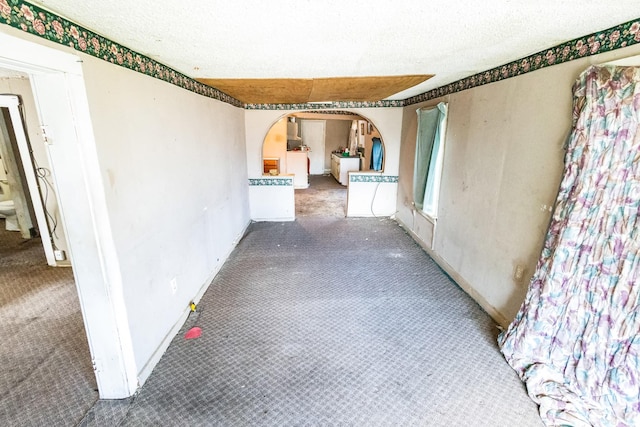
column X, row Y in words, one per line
column 47, row 375
column 28, row 201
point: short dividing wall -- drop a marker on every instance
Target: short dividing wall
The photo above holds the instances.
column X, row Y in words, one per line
column 272, row 198
column 371, row 195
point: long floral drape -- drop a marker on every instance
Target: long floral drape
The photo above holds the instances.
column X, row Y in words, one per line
column 576, row 340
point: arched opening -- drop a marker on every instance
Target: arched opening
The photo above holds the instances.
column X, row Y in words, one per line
column 320, row 148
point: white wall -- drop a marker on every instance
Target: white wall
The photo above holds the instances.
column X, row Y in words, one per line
column 313, row 133
column 367, row 197
column 174, row 171
column 272, row 198
column 503, row 162
column 153, row 186
column 337, row 135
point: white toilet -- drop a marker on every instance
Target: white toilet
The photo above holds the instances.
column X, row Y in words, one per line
column 8, row 209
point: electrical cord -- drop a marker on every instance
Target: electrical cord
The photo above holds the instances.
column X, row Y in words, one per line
column 373, row 199
column 42, row 174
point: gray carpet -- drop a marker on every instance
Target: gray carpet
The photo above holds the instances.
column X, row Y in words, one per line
column 330, row 322
column 46, row 377
column 325, row 198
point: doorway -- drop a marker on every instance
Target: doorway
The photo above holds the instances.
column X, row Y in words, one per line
column 334, row 143
column 42, row 327
column 325, row 198
column 58, row 87
column 30, row 202
column 313, row 136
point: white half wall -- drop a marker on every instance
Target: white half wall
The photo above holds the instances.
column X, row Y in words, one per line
column 272, row 198
column 371, row 195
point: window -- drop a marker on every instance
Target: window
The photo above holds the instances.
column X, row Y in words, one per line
column 432, row 123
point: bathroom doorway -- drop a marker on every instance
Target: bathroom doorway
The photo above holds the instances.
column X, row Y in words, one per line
column 57, row 84
column 24, row 202
column 15, row 207
column 38, row 296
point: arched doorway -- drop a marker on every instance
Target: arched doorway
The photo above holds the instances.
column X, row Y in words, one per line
column 320, row 148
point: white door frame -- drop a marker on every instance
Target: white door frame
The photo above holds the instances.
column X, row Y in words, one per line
column 12, row 102
column 63, row 110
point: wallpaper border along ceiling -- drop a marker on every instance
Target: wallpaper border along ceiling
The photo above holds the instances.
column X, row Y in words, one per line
column 617, row 37
column 42, row 23
column 39, row 22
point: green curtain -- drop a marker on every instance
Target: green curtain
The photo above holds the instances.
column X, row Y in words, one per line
column 429, row 124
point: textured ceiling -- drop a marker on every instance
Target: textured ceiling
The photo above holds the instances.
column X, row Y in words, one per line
column 215, row 39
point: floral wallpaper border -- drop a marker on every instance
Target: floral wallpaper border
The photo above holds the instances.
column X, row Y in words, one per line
column 42, row 23
column 272, row 182
column 617, row 37
column 335, row 112
column 372, row 178
column 39, row 22
column 326, row 105
column 613, row 38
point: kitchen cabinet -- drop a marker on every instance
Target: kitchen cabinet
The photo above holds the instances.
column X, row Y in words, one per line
column 297, row 164
column 335, row 168
column 341, row 166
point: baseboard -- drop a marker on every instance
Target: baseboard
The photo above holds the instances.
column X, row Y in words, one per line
column 146, row 370
column 283, row 219
column 460, row 281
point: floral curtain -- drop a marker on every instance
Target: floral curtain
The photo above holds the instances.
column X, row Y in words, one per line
column 576, row 340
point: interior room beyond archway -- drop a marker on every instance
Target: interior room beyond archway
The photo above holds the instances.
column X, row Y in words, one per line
column 321, row 143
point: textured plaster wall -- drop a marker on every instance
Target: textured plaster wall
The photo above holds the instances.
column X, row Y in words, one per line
column 174, row 169
column 503, row 162
column 165, row 197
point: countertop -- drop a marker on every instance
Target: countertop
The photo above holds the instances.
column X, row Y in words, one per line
column 345, row 157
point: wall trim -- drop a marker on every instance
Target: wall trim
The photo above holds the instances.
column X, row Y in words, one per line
column 49, row 26
column 613, row 38
column 272, row 181
column 42, row 23
column 327, row 105
column 369, row 177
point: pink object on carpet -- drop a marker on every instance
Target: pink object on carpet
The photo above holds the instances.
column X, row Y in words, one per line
column 192, row 333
